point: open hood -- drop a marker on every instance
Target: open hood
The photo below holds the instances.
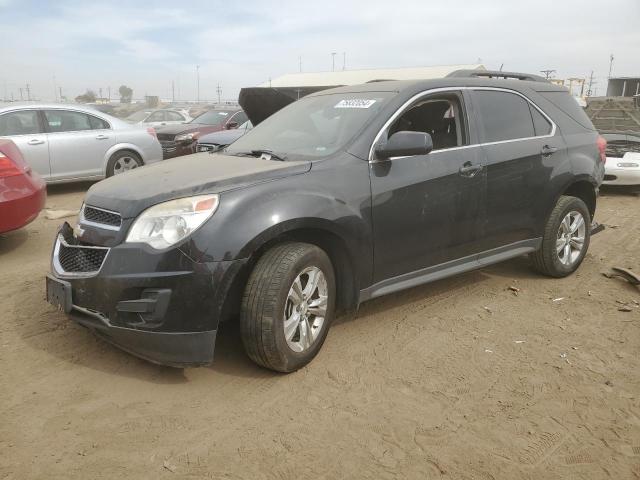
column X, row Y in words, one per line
column 262, row 102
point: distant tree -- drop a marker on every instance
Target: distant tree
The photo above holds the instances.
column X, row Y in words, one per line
column 88, row 97
column 126, row 94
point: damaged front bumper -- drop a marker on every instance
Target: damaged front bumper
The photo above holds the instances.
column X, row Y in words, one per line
column 159, row 305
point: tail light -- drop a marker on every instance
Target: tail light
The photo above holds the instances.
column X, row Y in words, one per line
column 152, row 131
column 602, row 148
column 8, row 168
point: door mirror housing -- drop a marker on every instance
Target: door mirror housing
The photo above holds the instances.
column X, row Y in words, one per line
column 232, row 125
column 405, row 144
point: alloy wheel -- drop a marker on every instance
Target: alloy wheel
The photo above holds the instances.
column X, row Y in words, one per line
column 570, row 239
column 305, row 309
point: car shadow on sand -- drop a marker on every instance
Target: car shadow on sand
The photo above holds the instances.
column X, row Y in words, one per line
column 54, row 189
column 80, row 347
column 9, row 241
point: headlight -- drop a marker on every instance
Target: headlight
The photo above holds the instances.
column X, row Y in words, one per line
column 167, row 223
column 186, row 137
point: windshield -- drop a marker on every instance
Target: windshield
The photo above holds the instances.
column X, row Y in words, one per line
column 212, row 117
column 313, row 126
column 137, row 116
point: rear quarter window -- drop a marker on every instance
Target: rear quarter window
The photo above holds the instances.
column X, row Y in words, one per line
column 565, row 102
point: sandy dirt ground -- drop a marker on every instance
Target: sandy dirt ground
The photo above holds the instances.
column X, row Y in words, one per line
column 459, row 379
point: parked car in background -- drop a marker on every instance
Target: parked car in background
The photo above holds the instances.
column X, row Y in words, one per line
column 66, row 143
column 623, row 158
column 22, row 191
column 159, row 118
column 340, row 197
column 180, row 140
column 213, row 142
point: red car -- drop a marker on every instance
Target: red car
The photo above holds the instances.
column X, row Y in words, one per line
column 178, row 140
column 22, row 191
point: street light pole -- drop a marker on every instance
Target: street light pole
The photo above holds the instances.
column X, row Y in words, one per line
column 333, row 61
column 198, row 82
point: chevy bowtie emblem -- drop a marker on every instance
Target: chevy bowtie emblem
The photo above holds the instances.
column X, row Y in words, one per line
column 78, row 231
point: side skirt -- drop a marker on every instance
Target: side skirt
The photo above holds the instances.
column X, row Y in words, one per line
column 448, row 269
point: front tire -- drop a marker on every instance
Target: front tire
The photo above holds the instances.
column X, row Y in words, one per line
column 288, row 306
column 566, row 238
column 123, row 161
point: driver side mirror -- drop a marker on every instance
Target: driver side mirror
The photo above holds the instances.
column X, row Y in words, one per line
column 405, row 144
column 231, row 125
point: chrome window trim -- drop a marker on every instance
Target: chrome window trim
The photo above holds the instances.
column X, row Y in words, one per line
column 424, row 93
column 83, row 221
column 61, row 272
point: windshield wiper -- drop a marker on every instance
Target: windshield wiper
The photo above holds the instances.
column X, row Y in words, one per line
column 260, row 152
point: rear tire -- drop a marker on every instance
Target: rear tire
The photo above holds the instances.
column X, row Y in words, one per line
column 566, row 238
column 287, row 306
column 123, row 161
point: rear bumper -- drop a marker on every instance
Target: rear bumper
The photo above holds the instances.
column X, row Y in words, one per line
column 21, row 199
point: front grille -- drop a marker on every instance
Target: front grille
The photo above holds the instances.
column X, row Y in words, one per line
column 168, row 146
column 76, row 259
column 97, row 215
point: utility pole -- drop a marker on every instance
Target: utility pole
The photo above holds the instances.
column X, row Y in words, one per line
column 60, row 88
column 591, row 83
column 21, row 94
column 173, row 91
column 219, row 92
column 333, row 61
column 109, row 90
column 610, row 65
column 28, row 93
column 547, row 73
column 100, row 90
column 300, row 63
column 198, row 82
column 55, row 90
column 344, row 60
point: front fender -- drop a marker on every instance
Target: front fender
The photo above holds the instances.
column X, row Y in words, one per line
column 250, row 217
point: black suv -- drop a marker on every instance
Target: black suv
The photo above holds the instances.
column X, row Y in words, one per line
column 340, row 197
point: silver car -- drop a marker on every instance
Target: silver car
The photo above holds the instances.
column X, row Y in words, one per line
column 158, row 118
column 65, row 143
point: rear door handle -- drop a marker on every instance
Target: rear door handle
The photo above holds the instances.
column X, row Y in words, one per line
column 102, row 137
column 35, row 141
column 469, row 170
column 547, row 151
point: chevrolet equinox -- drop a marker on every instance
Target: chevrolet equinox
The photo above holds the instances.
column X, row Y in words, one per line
column 343, row 196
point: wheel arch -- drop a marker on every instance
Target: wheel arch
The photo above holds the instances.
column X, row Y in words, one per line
column 121, row 147
column 584, row 189
column 315, row 232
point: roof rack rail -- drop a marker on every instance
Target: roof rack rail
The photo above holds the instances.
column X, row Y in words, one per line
column 496, row 74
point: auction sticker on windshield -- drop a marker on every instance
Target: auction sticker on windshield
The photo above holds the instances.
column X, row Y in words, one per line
column 355, row 103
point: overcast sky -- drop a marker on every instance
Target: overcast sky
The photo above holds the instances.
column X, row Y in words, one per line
column 244, row 43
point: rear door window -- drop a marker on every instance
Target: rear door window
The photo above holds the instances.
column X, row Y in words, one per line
column 66, row 121
column 503, row 116
column 23, row 122
column 156, row 117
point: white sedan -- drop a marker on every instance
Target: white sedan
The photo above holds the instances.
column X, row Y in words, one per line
column 623, row 159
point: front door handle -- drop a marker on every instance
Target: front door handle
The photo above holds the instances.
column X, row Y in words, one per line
column 102, row 137
column 469, row 170
column 35, row 141
column 547, row 151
